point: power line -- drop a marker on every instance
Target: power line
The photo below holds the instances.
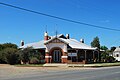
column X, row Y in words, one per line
column 60, row 18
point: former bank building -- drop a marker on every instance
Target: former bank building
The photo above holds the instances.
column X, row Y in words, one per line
column 63, row 49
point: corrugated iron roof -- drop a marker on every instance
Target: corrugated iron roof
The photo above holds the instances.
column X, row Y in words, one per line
column 117, row 49
column 35, row 45
column 73, row 43
column 78, row 45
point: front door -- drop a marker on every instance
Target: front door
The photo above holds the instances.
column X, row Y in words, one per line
column 57, row 56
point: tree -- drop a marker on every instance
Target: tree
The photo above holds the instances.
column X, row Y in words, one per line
column 110, row 59
column 34, row 60
column 29, row 55
column 103, row 48
column 8, row 53
column 8, row 56
column 95, row 43
column 105, row 55
column 9, row 45
column 112, row 48
column 25, row 54
column 1, row 47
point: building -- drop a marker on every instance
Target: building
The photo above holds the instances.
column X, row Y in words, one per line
column 116, row 54
column 63, row 49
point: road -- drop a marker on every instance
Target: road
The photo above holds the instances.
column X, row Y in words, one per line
column 104, row 73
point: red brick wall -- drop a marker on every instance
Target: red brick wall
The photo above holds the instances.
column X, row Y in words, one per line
column 46, row 38
column 50, row 60
column 47, row 59
column 64, row 60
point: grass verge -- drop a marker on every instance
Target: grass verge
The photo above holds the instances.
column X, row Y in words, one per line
column 103, row 64
column 29, row 65
column 74, row 65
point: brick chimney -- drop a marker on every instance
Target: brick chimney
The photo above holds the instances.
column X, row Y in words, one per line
column 22, row 43
column 67, row 36
column 45, row 36
column 82, row 40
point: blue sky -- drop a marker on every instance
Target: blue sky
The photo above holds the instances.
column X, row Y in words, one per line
column 17, row 25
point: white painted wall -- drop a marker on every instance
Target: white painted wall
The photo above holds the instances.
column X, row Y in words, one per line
column 49, row 46
column 114, row 55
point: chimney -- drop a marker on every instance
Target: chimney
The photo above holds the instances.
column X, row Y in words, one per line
column 82, row 40
column 67, row 36
column 45, row 36
column 22, row 43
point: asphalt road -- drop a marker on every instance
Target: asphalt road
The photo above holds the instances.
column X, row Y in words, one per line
column 106, row 73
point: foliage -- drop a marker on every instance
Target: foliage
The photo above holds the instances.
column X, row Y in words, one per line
column 29, row 53
column 8, row 55
column 112, row 48
column 95, row 43
column 1, row 47
column 105, row 56
column 103, row 48
column 9, row 45
column 34, row 60
column 25, row 54
column 110, row 59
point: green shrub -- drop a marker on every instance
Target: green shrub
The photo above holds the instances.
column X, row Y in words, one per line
column 9, row 56
column 34, row 60
column 110, row 59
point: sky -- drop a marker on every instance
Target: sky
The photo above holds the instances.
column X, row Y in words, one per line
column 17, row 25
